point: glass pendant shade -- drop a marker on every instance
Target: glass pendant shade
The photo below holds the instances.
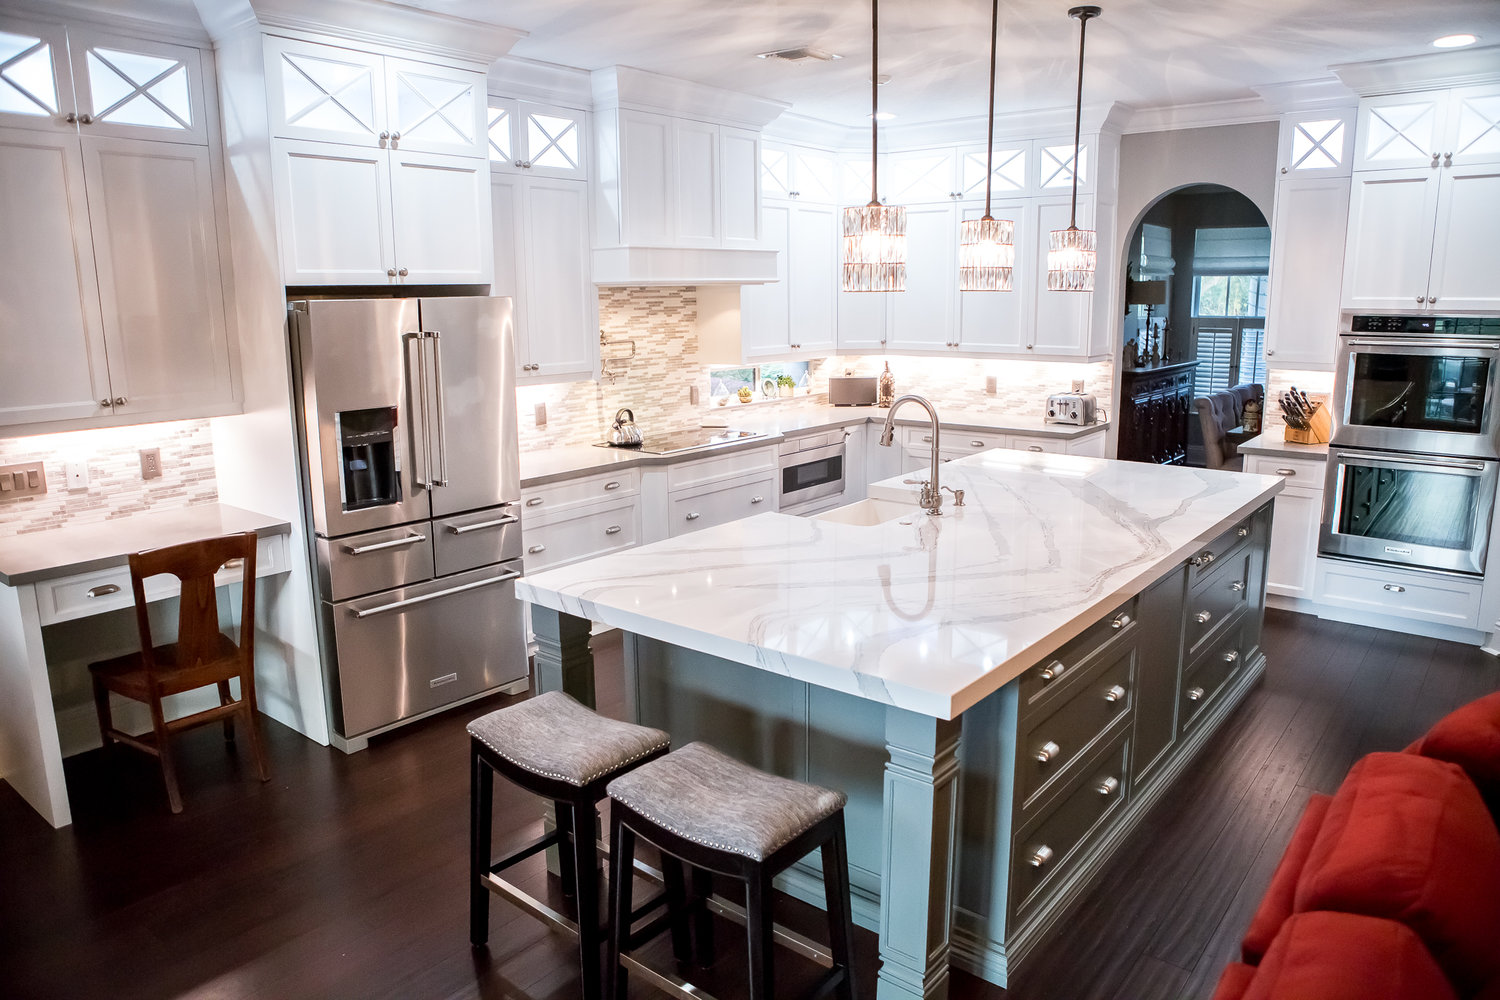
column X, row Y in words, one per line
column 875, row 249
column 986, row 255
column 1070, row 260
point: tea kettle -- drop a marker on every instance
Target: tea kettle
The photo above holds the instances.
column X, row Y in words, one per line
column 623, row 433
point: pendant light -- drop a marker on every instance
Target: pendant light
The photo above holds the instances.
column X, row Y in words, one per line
column 1071, row 253
column 874, row 234
column 986, row 246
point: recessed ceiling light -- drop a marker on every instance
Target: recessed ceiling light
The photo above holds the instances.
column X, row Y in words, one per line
column 1454, row 41
column 883, row 116
column 799, row 54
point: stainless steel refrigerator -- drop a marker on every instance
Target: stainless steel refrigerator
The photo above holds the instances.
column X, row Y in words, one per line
column 412, row 488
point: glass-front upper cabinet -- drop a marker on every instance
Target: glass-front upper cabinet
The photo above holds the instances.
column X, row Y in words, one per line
column 1317, row 143
column 1007, row 177
column 135, row 88
column 537, row 139
column 36, row 88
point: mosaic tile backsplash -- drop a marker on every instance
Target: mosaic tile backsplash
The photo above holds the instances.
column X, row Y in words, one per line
column 657, row 383
column 115, row 487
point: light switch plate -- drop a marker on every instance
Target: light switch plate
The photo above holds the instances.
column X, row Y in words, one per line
column 989, row 385
column 693, row 395
column 150, row 463
column 541, row 414
column 28, row 479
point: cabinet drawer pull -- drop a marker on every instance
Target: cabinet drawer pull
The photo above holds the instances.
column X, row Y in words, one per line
column 1033, row 447
column 1120, row 622
column 236, row 563
column 1395, row 588
column 1236, row 587
column 1040, row 856
column 1108, row 787
column 1231, row 656
column 976, row 444
column 1195, row 694
column 1114, row 694
column 693, row 515
column 533, row 501
column 757, row 499
column 395, row 543
column 613, row 529
column 103, row 590
column 613, row 484
column 534, row 549
column 1286, row 472
column 1203, row 617
column 1052, row 671
column 1047, row 751
column 1242, row 531
column 927, row 439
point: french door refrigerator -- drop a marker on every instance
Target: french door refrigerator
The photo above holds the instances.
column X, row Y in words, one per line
column 411, row 488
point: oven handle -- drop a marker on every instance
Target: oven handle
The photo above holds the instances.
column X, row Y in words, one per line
column 1477, row 347
column 1404, row 462
column 396, row 605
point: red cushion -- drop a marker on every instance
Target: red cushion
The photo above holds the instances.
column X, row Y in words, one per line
column 1470, row 738
column 1340, row 956
column 1408, row 838
column 1234, row 982
column 1276, row 904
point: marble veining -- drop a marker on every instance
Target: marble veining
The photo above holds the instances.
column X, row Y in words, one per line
column 926, row 613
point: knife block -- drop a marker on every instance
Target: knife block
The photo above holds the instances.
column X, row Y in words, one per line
column 1320, row 425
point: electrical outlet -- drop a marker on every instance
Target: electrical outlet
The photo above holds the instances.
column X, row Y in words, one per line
column 541, row 414
column 150, row 463
column 693, row 395
column 78, row 475
column 990, row 387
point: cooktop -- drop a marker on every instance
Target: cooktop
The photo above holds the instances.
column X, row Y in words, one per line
column 696, row 440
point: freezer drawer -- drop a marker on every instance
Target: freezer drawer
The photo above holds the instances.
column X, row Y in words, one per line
column 478, row 538
column 407, row 651
column 374, row 561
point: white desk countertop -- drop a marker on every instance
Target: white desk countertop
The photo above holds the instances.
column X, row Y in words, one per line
column 929, row 614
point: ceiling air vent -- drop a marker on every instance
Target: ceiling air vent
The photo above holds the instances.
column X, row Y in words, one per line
column 801, row 53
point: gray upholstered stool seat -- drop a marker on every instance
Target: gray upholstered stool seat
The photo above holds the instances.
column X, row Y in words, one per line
column 554, row 736
column 712, row 799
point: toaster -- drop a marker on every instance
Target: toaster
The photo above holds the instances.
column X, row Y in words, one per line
column 852, row 390
column 1070, row 408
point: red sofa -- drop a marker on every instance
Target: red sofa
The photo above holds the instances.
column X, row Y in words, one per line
column 1390, row 888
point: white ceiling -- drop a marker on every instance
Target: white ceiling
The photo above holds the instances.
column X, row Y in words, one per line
column 1142, row 54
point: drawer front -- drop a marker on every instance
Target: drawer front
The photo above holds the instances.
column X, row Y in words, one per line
column 955, row 443
column 1048, row 748
column 575, row 538
column 1051, row 445
column 1207, row 676
column 469, row 541
column 1216, row 598
column 586, row 489
column 812, row 442
column 1051, row 678
column 1441, row 599
column 1046, row 847
column 376, row 560
column 703, row 471
column 1209, row 558
column 1305, row 473
column 707, row 508
column 92, row 593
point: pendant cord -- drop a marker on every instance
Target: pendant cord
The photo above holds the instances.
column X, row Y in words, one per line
column 1083, row 26
column 875, row 100
column 989, row 149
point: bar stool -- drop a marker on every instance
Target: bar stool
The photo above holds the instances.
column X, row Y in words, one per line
column 553, row 747
column 699, row 806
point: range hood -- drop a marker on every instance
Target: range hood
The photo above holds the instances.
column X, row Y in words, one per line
column 677, row 192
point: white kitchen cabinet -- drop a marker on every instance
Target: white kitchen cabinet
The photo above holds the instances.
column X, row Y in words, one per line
column 540, row 227
column 995, row 322
column 1294, row 527
column 36, row 88
column 1008, row 172
column 1463, row 248
column 537, row 139
column 1311, row 217
column 1316, row 143
column 704, row 507
column 862, row 320
column 923, row 316
column 695, row 183
column 922, row 177
column 765, row 310
column 739, row 187
column 793, row 315
column 435, row 109
column 1455, row 127
column 1054, row 164
column 440, row 207
column 1061, row 325
column 583, row 534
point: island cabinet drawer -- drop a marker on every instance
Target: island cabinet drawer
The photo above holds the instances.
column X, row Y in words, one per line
column 1211, row 557
column 1210, row 673
column 100, row 590
column 1053, row 677
column 1047, row 846
column 1216, row 598
column 590, row 534
column 1050, row 745
column 571, row 493
column 693, row 510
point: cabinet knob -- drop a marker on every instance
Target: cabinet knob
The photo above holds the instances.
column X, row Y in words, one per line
column 1434, row 159
column 1195, row 694
column 1040, row 856
column 1120, row 622
column 1052, row 671
column 1047, row 751
column 1242, row 531
column 71, row 118
column 757, row 499
column 86, row 119
column 1231, row 656
column 1283, row 169
column 385, row 136
column 1236, row 587
column 402, row 271
column 395, row 137
column 1114, row 693
column 104, row 402
column 533, row 550
column 1421, row 298
column 121, row 400
column 1108, row 787
column 693, row 515
column 390, row 272
column 1395, row 588
column 1028, row 347
column 613, row 529
column 1447, row 159
column 1270, row 353
column 1203, row 617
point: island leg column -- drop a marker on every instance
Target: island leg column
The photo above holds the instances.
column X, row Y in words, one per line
column 916, row 884
column 564, row 660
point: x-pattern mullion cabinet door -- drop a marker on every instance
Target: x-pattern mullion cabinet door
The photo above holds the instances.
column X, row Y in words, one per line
column 1474, row 132
column 435, row 109
column 1054, row 165
column 137, row 88
column 1404, row 130
column 36, row 84
column 1007, row 176
column 325, row 93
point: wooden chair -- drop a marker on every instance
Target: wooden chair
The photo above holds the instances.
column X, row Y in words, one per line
column 202, row 655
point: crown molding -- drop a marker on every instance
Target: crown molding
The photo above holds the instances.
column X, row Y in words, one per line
column 549, row 83
column 1180, row 116
column 1025, row 126
column 639, row 90
column 1307, row 95
column 398, row 30
column 159, row 19
column 1431, row 70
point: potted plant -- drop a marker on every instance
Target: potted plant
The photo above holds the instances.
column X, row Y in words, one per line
column 785, row 386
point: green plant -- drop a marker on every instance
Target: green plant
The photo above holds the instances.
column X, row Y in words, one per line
column 786, row 381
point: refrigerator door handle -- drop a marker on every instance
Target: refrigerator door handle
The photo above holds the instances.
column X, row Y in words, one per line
column 410, row 601
column 417, row 395
column 437, row 381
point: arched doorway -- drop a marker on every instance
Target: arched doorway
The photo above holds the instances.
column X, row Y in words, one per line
column 1196, row 291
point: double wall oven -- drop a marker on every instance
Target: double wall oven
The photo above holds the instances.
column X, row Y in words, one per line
column 1415, row 452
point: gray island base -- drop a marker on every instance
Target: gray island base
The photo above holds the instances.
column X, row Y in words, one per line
column 1003, row 691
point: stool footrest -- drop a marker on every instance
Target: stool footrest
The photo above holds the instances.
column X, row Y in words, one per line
column 505, row 890
column 666, row 981
column 535, row 847
column 802, row 945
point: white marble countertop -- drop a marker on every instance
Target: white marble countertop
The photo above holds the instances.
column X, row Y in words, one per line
column 929, row 614
column 1273, row 444
column 44, row 555
column 777, row 420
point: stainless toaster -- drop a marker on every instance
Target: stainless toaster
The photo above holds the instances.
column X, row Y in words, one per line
column 852, row 390
column 1070, row 408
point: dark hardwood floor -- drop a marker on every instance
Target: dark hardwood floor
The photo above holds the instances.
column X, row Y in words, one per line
column 346, row 876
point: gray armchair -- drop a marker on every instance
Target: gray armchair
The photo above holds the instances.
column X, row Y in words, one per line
column 1219, row 413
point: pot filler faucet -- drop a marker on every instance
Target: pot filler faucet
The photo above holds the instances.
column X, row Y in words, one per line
column 931, row 499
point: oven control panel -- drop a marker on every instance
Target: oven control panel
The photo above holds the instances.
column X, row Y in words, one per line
column 1447, row 326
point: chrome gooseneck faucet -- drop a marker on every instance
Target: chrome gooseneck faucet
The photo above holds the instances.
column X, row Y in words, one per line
column 931, row 499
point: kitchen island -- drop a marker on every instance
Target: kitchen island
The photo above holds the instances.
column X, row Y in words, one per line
column 1002, row 690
